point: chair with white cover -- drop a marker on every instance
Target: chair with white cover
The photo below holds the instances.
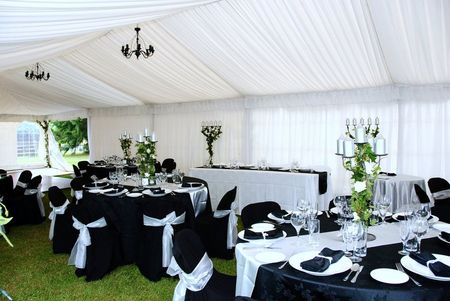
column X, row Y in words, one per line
column 161, row 217
column 199, row 281
column 218, row 231
column 97, row 250
column 257, row 212
column 208, row 207
column 62, row 234
column 440, row 190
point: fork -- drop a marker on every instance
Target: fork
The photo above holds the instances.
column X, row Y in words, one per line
column 284, row 263
column 400, row 268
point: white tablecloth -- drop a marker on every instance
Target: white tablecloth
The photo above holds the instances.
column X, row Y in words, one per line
column 247, row 265
column 399, row 188
column 257, row 186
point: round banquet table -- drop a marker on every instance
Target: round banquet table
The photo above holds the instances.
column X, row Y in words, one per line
column 289, row 283
column 102, row 171
column 123, row 212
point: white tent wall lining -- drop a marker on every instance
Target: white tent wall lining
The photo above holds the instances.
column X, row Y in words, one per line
column 301, row 127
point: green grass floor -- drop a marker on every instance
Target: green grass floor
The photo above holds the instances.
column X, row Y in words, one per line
column 30, row 271
column 75, row 158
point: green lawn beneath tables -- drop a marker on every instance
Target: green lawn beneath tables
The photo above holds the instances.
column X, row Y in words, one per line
column 74, row 159
column 30, row 271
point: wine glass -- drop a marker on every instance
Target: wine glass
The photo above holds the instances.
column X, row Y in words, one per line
column 339, row 201
column 419, row 227
column 405, row 235
column 383, row 205
column 298, row 219
column 355, row 231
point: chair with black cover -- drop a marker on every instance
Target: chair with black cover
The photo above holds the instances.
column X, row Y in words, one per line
column 208, row 207
column 257, row 212
column 96, row 251
column 82, row 165
column 204, row 282
column 22, row 183
column 158, row 167
column 33, row 208
column 440, row 190
column 77, row 189
column 169, row 164
column 61, row 233
column 3, row 173
column 218, row 231
column 421, row 194
column 160, row 217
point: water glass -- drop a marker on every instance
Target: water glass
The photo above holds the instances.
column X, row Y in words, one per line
column 298, row 220
column 347, row 238
column 419, row 227
column 339, row 201
column 405, row 235
column 355, row 231
column 314, row 230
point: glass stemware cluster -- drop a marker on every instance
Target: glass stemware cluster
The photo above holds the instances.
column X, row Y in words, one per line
column 414, row 227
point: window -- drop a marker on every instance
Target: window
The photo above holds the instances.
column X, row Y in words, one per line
column 28, row 136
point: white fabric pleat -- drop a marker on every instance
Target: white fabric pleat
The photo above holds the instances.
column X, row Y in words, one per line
column 195, row 281
column 232, row 223
column 78, row 254
column 52, row 216
column 167, row 237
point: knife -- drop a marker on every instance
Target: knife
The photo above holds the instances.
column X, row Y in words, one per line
column 357, row 274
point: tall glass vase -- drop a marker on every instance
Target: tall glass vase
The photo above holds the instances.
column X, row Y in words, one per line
column 361, row 245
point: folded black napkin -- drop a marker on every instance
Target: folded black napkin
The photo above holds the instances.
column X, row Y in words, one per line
column 400, row 217
column 320, row 263
column 157, row 190
column 390, row 174
column 114, row 191
column 282, row 214
column 438, row 268
column 445, row 235
column 249, row 234
column 191, row 184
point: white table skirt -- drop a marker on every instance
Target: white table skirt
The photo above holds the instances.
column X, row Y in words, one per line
column 399, row 188
column 257, row 186
column 247, row 265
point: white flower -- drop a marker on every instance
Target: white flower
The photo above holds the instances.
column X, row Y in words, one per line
column 145, row 142
column 359, row 186
column 148, row 151
column 146, row 174
column 355, row 216
column 369, row 167
column 153, row 156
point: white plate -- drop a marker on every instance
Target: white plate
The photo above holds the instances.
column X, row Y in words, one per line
column 261, row 241
column 441, row 238
column 270, row 257
column 117, row 193
column 150, row 193
column 280, row 220
column 376, row 213
column 414, row 266
column 442, row 227
column 340, row 266
column 134, row 194
column 100, row 190
column 434, row 219
column 396, row 215
column 390, row 276
column 262, row 227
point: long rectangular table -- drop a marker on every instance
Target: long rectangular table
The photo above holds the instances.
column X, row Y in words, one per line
column 257, row 185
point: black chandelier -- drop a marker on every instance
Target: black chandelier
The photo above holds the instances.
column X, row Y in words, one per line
column 37, row 74
column 145, row 52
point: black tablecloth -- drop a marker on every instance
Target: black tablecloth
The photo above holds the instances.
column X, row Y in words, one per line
column 123, row 212
column 323, row 183
column 103, row 171
column 291, row 284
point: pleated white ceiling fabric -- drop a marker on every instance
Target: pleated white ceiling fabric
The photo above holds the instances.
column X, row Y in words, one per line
column 209, row 50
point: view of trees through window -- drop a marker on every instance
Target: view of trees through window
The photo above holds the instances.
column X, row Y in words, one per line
column 72, row 139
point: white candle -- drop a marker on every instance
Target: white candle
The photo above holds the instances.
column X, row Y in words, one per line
column 153, row 138
column 347, row 121
column 340, row 145
column 360, row 134
column 146, row 132
column 371, row 142
column 355, row 122
column 380, row 145
column 377, row 121
column 141, row 139
column 349, row 148
column 361, row 121
column 369, row 121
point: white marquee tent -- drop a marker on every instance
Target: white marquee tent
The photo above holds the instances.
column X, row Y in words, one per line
column 282, row 75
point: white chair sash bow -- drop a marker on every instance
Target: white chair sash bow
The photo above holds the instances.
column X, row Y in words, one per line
column 232, row 224
column 195, row 281
column 167, row 241
column 83, row 171
column 21, row 184
column 52, row 216
column 78, row 254
column 78, row 194
column 440, row 195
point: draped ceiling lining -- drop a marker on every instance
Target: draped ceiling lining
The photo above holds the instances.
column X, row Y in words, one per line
column 216, row 50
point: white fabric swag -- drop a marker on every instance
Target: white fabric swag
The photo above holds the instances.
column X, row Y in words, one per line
column 78, row 254
column 232, row 223
column 167, row 242
column 21, row 184
column 52, row 216
column 441, row 195
column 195, row 281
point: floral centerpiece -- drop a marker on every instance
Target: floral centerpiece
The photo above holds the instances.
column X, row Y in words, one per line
column 361, row 151
column 146, row 156
column 212, row 131
column 125, row 145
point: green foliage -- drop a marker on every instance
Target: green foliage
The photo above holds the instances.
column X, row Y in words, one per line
column 125, row 145
column 146, row 157
column 4, row 219
column 70, row 134
column 44, row 124
column 212, row 133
